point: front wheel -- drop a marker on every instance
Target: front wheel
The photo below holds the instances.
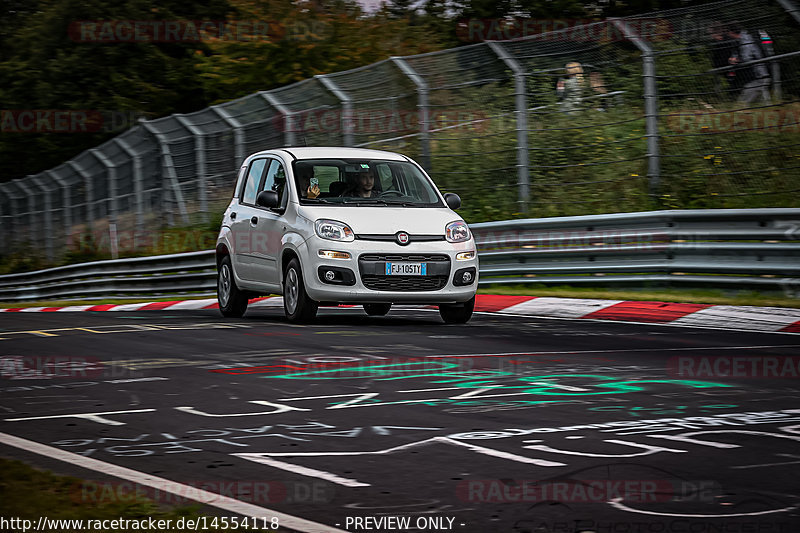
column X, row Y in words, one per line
column 457, row 313
column 377, row 309
column 297, row 305
column 232, row 301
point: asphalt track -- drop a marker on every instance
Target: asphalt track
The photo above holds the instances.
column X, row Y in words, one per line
column 507, row 424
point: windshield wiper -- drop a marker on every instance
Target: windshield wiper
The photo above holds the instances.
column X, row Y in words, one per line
column 316, row 200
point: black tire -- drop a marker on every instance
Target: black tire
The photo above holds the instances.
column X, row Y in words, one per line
column 296, row 303
column 232, row 301
column 377, row 309
column 457, row 313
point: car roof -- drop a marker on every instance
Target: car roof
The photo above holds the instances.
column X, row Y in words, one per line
column 338, row 152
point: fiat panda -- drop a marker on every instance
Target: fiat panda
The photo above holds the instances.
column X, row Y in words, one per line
column 327, row 226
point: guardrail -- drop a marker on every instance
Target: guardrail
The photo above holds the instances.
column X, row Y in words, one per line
column 729, row 248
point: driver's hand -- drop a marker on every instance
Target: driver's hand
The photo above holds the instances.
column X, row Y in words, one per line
column 312, row 192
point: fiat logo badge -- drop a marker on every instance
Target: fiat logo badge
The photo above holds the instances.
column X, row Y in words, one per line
column 402, row 238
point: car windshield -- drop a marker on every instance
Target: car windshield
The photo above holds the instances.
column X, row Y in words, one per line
column 359, row 182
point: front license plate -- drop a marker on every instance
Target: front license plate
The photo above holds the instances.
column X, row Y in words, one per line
column 406, row 269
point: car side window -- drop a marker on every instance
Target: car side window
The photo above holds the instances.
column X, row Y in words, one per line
column 275, row 180
column 254, row 175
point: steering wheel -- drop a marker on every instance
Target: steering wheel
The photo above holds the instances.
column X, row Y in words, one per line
column 391, row 192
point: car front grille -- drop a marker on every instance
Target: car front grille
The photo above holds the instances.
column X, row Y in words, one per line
column 404, row 283
column 370, row 266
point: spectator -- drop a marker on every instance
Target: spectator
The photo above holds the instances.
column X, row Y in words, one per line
column 570, row 89
column 722, row 48
column 755, row 78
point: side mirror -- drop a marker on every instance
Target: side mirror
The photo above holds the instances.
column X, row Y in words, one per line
column 267, row 199
column 453, row 200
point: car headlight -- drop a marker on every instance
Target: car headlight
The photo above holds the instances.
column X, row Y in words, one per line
column 333, row 230
column 457, row 231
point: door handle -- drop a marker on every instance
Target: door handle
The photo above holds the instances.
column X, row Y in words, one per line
column 233, row 215
column 254, row 220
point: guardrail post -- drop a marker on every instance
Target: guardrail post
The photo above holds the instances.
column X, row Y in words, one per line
column 4, row 225
column 423, row 104
column 138, row 183
column 168, row 167
column 87, row 180
column 48, row 217
column 200, row 160
column 521, row 113
column 238, row 133
column 650, row 103
column 346, row 120
column 288, row 117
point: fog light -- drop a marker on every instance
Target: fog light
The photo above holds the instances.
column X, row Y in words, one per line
column 464, row 256
column 467, row 278
column 333, row 254
column 330, row 275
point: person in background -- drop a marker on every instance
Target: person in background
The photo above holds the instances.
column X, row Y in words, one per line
column 722, row 48
column 755, row 78
column 570, row 89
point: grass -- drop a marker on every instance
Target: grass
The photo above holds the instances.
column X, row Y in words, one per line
column 698, row 296
column 28, row 493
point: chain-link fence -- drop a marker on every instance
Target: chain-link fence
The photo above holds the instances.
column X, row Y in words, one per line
column 689, row 108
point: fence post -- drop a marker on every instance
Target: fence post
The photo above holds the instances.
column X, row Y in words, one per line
column 48, row 217
column 346, row 120
column 87, row 180
column 113, row 192
column 168, row 169
column 66, row 204
column 20, row 183
column 521, row 113
column 238, row 133
column 288, row 120
column 791, row 9
column 138, row 183
column 424, row 120
column 650, row 104
column 200, row 160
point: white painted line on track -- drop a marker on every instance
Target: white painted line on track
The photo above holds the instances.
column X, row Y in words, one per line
column 191, row 304
column 682, row 349
column 715, row 326
column 129, row 307
column 208, row 498
column 561, row 307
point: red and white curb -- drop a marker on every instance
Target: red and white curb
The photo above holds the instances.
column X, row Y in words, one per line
column 768, row 319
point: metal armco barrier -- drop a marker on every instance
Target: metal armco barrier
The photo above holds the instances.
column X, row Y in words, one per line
column 725, row 248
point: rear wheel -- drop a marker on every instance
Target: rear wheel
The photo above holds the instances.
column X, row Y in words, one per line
column 297, row 305
column 377, row 309
column 232, row 301
column 457, row 313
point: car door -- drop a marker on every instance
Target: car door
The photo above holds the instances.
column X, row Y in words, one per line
column 243, row 262
column 267, row 227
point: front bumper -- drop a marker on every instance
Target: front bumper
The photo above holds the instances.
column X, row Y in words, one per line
column 368, row 282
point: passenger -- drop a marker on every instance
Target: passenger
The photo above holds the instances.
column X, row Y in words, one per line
column 304, row 186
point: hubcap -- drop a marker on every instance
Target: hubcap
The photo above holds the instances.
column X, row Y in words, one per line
column 292, row 291
column 224, row 285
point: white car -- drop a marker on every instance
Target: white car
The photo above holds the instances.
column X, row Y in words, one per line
column 325, row 226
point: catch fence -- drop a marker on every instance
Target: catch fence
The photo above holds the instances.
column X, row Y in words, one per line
column 651, row 118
